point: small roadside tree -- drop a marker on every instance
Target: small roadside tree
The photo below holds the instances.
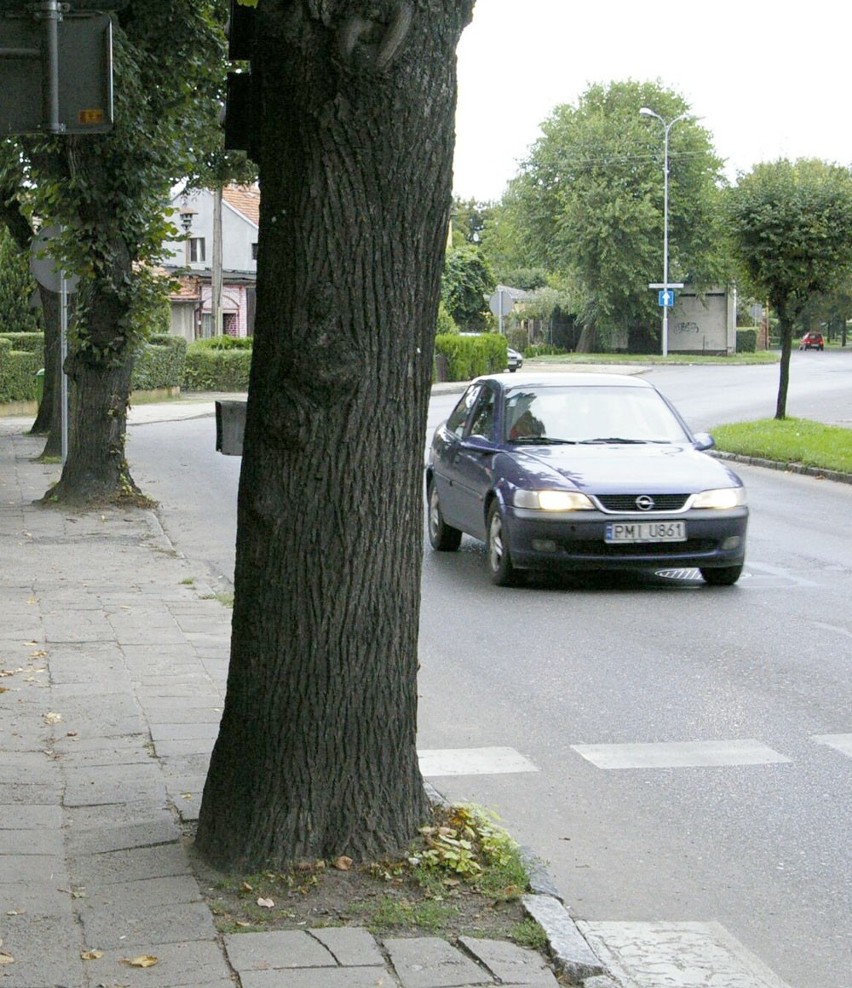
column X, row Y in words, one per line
column 790, row 227
column 110, row 195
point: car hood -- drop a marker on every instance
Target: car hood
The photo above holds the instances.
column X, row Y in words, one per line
column 612, row 468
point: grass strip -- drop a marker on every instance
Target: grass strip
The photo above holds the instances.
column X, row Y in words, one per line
column 827, row 447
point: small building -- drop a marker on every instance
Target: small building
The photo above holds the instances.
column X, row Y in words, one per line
column 190, row 262
column 703, row 322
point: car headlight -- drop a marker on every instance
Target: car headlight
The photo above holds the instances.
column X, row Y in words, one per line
column 725, row 497
column 553, row 500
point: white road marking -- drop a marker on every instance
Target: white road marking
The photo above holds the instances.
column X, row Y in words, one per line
column 840, row 742
column 677, row 955
column 679, row 754
column 473, row 761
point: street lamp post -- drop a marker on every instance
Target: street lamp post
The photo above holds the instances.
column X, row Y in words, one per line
column 667, row 126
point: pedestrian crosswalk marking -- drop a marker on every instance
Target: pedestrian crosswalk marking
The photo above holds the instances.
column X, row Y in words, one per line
column 473, row 761
column 840, row 742
column 679, row 754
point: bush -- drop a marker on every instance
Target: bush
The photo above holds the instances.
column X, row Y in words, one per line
column 159, row 364
column 746, row 340
column 224, row 343
column 31, row 342
column 217, row 368
column 17, row 372
column 543, row 350
column 469, row 356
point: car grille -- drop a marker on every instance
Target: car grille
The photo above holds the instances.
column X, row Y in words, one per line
column 621, row 503
column 602, row 549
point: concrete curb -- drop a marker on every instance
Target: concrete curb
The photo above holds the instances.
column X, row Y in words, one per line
column 800, row 468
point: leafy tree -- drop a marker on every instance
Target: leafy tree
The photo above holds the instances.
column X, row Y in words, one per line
column 590, row 201
column 791, row 230
column 469, row 220
column 316, row 754
column 17, row 288
column 466, row 285
column 110, row 195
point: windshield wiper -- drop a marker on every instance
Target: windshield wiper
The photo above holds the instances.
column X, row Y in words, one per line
column 542, row 441
column 602, row 440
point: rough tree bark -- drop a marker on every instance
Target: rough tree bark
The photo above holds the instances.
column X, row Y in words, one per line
column 316, row 754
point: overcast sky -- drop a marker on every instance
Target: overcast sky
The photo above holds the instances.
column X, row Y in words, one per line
column 769, row 80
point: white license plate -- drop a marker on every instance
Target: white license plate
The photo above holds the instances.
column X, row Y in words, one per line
column 645, row 531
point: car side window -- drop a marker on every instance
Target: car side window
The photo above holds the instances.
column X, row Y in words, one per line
column 458, row 416
column 482, row 423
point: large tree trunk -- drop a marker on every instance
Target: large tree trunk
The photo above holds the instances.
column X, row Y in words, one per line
column 316, row 754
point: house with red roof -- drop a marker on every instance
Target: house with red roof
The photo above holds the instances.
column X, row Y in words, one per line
column 192, row 261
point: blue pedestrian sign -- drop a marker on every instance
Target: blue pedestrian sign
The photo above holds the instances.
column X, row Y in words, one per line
column 665, row 299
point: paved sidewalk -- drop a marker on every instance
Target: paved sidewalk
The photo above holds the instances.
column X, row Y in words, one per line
column 112, row 677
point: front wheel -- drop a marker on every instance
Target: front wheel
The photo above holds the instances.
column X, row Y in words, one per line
column 724, row 576
column 503, row 573
column 442, row 536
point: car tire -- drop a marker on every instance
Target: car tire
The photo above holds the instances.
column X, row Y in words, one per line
column 503, row 572
column 723, row 576
column 442, row 536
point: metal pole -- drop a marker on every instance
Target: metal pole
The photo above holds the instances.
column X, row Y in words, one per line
column 668, row 127
column 50, row 12
column 63, row 354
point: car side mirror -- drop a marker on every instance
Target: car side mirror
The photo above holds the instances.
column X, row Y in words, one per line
column 703, row 440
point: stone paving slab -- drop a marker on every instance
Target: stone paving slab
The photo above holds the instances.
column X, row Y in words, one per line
column 430, row 962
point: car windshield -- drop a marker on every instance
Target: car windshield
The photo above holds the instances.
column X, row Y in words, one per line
column 593, row 414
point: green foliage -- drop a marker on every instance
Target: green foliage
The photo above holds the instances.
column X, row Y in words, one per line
column 589, row 201
column 543, row 350
column 17, row 288
column 445, row 323
column 746, row 340
column 210, row 368
column 827, row 447
column 470, row 356
column 470, row 844
column 466, row 285
column 159, row 364
column 224, row 343
column 791, row 231
column 17, row 372
column 32, row 342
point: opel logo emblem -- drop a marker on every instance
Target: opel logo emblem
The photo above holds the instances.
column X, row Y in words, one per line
column 644, row 503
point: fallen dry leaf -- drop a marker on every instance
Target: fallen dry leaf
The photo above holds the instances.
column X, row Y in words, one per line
column 91, row 955
column 343, row 863
column 246, row 887
column 4, row 689
column 6, row 958
column 51, row 718
column 146, row 960
column 266, row 903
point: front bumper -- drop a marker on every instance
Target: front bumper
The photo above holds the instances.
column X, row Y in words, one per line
column 575, row 541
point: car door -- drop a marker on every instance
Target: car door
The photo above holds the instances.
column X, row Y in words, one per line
column 473, row 463
column 444, row 456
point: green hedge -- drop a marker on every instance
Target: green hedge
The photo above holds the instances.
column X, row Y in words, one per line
column 459, row 358
column 31, row 342
column 17, row 372
column 746, row 340
column 211, row 367
column 160, row 363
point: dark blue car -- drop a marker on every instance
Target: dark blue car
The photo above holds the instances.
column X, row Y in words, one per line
column 559, row 472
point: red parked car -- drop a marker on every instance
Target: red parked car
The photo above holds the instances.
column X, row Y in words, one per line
column 812, row 341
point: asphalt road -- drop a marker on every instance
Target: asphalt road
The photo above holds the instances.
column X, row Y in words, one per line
column 607, row 700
